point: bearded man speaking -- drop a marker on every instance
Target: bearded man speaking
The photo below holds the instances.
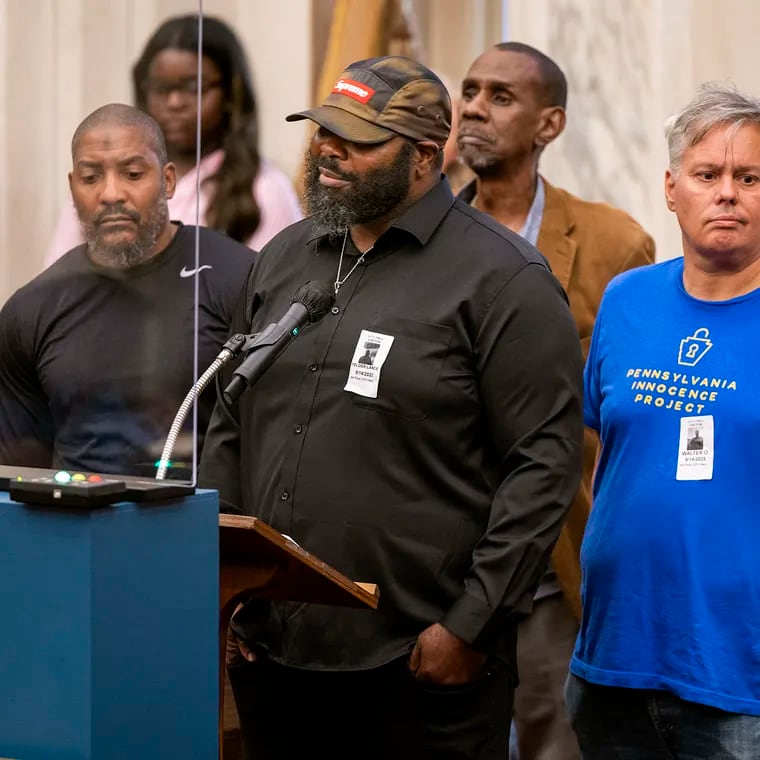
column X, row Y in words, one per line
column 425, row 435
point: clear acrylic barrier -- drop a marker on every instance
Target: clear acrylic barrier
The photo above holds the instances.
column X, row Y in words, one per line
column 102, row 341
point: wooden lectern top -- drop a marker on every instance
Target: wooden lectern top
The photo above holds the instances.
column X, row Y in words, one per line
column 296, row 574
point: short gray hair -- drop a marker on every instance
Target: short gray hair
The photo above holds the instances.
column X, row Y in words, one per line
column 715, row 104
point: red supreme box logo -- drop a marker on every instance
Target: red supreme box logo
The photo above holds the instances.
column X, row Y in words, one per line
column 355, row 90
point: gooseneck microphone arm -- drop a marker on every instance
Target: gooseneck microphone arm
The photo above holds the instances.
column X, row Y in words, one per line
column 274, row 337
column 310, row 303
column 232, row 348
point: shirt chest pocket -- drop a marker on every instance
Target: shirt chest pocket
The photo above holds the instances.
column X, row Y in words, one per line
column 412, row 369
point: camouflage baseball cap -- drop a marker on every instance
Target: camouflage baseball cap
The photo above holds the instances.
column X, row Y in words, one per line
column 379, row 98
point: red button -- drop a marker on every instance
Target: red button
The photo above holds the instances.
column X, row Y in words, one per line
column 95, row 479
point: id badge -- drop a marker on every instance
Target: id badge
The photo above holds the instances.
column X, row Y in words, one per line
column 696, row 448
column 369, row 356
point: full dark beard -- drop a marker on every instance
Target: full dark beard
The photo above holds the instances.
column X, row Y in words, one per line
column 370, row 196
column 127, row 254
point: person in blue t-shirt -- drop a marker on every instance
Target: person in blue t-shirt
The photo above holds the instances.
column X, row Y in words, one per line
column 667, row 661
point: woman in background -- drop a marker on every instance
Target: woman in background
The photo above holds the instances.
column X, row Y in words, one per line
column 242, row 193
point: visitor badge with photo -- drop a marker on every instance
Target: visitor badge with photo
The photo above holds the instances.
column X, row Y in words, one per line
column 369, row 356
column 696, row 448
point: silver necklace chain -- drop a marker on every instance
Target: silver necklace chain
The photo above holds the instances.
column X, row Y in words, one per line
column 360, row 260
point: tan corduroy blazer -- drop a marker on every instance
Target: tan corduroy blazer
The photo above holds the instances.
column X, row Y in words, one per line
column 586, row 245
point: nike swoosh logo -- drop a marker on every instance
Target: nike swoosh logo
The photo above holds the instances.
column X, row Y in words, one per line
column 184, row 272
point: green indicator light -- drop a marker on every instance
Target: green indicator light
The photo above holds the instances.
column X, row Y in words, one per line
column 157, row 463
column 294, row 331
column 62, row 476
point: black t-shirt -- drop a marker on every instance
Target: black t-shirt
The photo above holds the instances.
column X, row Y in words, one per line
column 95, row 362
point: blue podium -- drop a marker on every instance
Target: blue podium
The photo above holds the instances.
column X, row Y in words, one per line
column 109, row 630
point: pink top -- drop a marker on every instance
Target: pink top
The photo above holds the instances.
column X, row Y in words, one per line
column 273, row 191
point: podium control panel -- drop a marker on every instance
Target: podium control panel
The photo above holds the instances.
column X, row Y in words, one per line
column 84, row 490
column 67, row 489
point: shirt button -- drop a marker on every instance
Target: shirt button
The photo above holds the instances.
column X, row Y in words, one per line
column 335, row 310
column 284, row 496
column 298, row 429
column 313, row 367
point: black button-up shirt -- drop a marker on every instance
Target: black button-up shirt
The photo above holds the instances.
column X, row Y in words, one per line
column 448, row 489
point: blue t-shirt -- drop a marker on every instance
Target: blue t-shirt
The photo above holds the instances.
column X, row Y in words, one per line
column 671, row 554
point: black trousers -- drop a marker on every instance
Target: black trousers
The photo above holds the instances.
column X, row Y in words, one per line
column 384, row 713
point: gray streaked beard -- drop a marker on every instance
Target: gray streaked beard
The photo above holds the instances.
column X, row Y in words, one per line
column 126, row 255
column 483, row 164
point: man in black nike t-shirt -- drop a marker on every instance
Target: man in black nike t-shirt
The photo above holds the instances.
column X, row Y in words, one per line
column 98, row 351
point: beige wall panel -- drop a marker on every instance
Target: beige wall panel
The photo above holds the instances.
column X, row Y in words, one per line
column 675, row 82
column 277, row 37
column 166, row 8
column 724, row 41
column 5, row 258
column 29, row 117
column 455, row 32
column 68, row 95
column 107, row 29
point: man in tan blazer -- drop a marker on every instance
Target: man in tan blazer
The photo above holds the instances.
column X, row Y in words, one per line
column 512, row 106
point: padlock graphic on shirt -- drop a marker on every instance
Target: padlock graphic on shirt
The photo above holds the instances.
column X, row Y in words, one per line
column 694, row 347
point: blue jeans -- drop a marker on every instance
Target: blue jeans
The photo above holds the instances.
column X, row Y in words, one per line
column 644, row 724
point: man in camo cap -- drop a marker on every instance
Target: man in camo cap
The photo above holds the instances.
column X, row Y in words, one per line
column 376, row 99
column 425, row 436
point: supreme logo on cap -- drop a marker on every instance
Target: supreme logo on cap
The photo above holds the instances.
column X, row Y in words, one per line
column 355, row 90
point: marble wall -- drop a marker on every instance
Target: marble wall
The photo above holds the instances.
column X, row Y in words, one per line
column 630, row 64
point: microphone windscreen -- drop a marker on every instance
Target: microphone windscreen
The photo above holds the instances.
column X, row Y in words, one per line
column 317, row 296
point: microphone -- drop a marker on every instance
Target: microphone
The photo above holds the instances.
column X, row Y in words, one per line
column 310, row 303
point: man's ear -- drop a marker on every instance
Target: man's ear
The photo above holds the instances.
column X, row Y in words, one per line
column 170, row 178
column 427, row 154
column 71, row 180
column 669, row 184
column 550, row 126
